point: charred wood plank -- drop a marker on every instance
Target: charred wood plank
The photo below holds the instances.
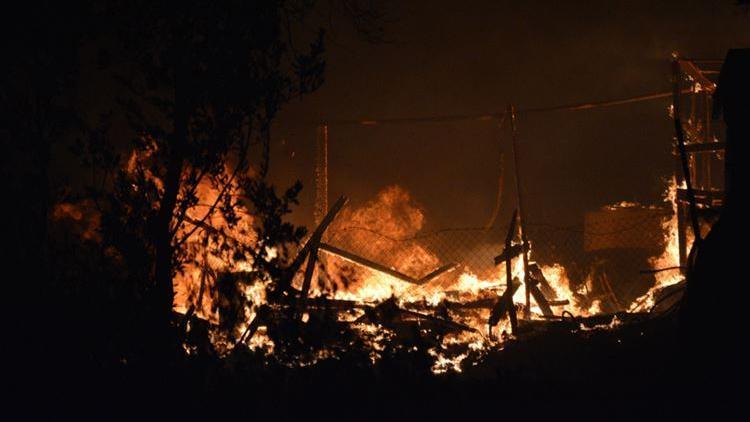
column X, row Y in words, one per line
column 511, row 252
column 538, row 278
column 509, row 276
column 367, row 263
column 503, row 304
column 314, row 240
column 541, row 301
column 312, row 259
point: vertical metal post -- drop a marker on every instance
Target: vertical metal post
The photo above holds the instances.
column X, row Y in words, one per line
column 684, row 158
column 321, row 173
column 708, row 159
column 680, row 208
column 681, row 211
column 521, row 214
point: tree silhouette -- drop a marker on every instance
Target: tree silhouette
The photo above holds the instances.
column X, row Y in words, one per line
column 204, row 84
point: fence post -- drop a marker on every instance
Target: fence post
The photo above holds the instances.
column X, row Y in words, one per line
column 509, row 274
column 521, row 215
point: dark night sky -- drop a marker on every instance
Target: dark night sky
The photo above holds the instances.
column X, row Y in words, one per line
column 478, row 56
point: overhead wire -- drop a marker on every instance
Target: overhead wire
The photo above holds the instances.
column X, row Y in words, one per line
column 498, row 115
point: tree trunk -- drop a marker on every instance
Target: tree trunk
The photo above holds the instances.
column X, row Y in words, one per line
column 163, row 235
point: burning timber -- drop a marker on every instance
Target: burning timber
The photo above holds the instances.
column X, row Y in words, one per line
column 442, row 308
column 427, row 312
column 391, row 291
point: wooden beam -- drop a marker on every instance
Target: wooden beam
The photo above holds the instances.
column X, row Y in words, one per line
column 312, row 259
column 689, row 68
column 367, row 263
column 539, row 298
column 317, row 234
column 509, row 274
column 504, row 304
column 538, row 276
column 698, row 147
column 511, row 252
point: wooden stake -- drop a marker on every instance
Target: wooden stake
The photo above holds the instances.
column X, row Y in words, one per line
column 509, row 274
column 521, row 216
column 312, row 259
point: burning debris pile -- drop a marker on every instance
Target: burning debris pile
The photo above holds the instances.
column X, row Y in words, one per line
column 364, row 278
column 402, row 293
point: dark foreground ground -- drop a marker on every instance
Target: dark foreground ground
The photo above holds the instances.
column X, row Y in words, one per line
column 639, row 370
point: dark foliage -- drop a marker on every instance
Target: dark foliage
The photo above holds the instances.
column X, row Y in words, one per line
column 200, row 87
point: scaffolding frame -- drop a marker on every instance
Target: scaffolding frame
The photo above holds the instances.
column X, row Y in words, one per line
column 695, row 81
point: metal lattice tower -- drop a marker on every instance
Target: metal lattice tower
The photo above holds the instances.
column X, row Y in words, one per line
column 321, row 173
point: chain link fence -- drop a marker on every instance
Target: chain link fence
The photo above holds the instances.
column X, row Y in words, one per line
column 613, row 246
column 456, row 174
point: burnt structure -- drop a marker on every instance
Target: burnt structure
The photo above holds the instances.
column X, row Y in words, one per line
column 705, row 144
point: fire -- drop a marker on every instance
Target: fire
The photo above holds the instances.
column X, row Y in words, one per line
column 388, row 225
column 392, row 218
column 471, row 284
column 384, row 230
column 197, row 278
column 669, row 258
column 372, row 229
column 208, row 242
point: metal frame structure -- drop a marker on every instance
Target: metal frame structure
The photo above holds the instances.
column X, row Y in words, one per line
column 695, row 84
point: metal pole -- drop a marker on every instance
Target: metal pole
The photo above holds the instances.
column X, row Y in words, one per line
column 521, row 215
column 321, row 173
